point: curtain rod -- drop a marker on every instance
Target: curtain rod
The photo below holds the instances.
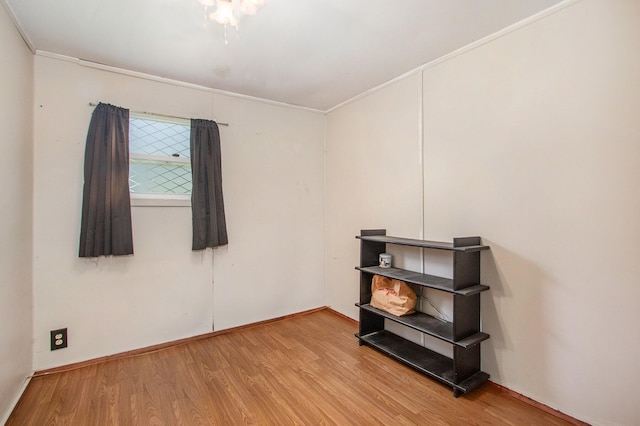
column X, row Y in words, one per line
column 161, row 115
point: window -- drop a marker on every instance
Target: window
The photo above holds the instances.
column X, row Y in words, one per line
column 159, row 158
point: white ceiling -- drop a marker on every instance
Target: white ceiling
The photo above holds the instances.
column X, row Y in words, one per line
column 311, row 53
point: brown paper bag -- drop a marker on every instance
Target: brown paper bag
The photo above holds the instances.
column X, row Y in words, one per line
column 393, row 296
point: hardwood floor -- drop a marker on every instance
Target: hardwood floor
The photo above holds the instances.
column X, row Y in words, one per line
column 304, row 370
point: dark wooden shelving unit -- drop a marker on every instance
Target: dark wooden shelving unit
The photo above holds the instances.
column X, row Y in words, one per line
column 462, row 371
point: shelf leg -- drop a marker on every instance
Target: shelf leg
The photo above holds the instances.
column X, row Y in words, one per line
column 457, row 392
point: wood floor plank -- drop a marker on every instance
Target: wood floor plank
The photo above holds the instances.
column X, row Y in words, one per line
column 302, row 370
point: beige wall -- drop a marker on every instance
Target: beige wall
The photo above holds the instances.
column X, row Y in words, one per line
column 373, row 174
column 539, row 153
column 16, row 164
column 273, row 187
column 533, row 142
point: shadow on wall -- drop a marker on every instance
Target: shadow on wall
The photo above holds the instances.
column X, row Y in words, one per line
column 513, row 315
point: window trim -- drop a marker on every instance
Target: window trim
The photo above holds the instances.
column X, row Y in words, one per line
column 160, row 158
column 159, row 200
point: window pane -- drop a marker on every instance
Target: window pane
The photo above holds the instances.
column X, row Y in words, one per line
column 153, row 177
column 165, row 140
column 158, row 137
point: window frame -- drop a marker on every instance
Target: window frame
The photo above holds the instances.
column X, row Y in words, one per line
column 159, row 199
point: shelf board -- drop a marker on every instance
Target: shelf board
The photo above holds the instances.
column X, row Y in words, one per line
column 426, row 361
column 438, row 245
column 474, row 381
column 422, row 359
column 432, row 326
column 425, row 280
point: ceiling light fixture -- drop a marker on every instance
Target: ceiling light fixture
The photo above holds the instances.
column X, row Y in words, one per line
column 229, row 12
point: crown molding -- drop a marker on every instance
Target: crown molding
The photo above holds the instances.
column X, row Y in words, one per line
column 18, row 26
column 151, row 77
column 469, row 47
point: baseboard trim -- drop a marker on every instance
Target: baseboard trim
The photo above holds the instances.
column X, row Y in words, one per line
column 163, row 346
column 538, row 405
column 16, row 401
column 351, row 320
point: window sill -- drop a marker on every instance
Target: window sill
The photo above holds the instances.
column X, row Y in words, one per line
column 160, row 200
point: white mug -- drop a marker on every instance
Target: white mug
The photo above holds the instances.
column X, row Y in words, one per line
column 384, row 260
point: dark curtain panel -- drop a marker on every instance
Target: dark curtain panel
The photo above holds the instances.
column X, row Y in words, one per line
column 106, row 205
column 207, row 205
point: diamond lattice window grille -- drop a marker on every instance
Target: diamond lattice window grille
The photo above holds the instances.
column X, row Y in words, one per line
column 159, row 156
column 153, row 137
column 156, row 177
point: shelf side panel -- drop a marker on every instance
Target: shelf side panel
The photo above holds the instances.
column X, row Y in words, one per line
column 370, row 232
column 466, row 315
column 369, row 250
column 370, row 322
column 467, row 242
column 365, row 287
column 466, row 362
column 466, row 269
